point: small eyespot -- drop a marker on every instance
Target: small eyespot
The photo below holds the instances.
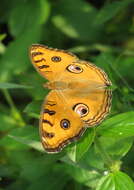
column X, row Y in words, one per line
column 65, row 123
column 74, row 68
column 56, row 58
column 81, row 109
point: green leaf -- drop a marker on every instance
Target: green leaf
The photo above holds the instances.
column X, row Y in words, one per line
column 84, row 144
column 27, row 135
column 79, row 25
column 28, row 132
column 118, row 130
column 92, row 160
column 86, row 177
column 110, row 146
column 110, row 10
column 116, row 181
column 4, row 85
column 119, row 126
column 33, row 79
column 2, row 37
column 33, row 108
column 106, row 61
column 31, row 143
column 16, row 60
column 7, row 121
column 18, row 23
column 77, row 151
column 127, row 68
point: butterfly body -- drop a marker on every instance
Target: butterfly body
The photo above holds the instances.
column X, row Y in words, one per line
column 56, row 85
column 78, row 99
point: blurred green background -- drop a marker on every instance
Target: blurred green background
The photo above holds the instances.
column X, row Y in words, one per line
column 99, row 31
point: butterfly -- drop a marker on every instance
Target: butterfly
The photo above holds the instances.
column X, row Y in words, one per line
column 79, row 97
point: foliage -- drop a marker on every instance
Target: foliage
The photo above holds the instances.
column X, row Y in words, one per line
column 98, row 31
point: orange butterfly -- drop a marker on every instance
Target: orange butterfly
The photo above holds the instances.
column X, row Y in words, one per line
column 78, row 98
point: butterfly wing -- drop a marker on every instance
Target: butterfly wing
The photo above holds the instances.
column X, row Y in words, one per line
column 82, row 73
column 88, row 91
column 60, row 65
column 59, row 125
column 92, row 106
column 50, row 62
column 84, row 100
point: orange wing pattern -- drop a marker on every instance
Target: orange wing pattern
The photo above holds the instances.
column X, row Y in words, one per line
column 79, row 97
column 59, row 125
column 50, row 62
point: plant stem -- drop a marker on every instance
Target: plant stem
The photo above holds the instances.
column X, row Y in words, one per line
column 15, row 112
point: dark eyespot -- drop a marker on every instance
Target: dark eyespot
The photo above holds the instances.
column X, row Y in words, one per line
column 56, row 59
column 65, row 123
column 74, row 68
column 81, row 109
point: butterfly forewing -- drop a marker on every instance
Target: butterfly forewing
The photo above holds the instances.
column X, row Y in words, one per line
column 50, row 62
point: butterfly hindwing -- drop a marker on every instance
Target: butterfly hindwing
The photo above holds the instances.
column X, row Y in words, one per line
column 59, row 125
column 92, row 106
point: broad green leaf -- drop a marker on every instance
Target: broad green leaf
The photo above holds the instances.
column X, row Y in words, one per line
column 119, row 126
column 28, row 136
column 125, row 67
column 28, row 133
column 15, row 60
column 109, row 144
column 115, row 131
column 75, row 19
column 77, row 150
column 86, row 177
column 18, row 23
column 116, row 181
column 31, row 143
column 80, row 20
column 84, row 144
column 92, row 160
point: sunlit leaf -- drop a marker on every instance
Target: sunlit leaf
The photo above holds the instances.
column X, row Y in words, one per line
column 30, row 143
column 116, row 181
column 120, row 126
